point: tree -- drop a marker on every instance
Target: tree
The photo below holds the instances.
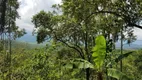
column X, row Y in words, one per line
column 81, row 21
column 2, row 15
column 8, row 28
column 8, row 15
column 74, row 35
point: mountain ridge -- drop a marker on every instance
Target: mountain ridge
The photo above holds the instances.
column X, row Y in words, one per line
column 29, row 38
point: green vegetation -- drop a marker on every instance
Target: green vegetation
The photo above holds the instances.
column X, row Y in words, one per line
column 58, row 62
column 80, row 42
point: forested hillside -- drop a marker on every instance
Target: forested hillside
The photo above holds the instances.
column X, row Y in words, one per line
column 75, row 41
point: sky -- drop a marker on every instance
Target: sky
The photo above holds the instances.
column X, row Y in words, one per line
column 28, row 8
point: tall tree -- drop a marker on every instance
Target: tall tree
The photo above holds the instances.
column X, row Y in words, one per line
column 8, row 15
column 81, row 20
column 8, row 28
column 2, row 14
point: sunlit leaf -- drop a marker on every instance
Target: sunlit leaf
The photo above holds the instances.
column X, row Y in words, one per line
column 99, row 51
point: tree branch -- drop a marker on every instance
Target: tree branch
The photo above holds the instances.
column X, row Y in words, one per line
column 73, row 47
column 135, row 25
column 124, row 17
column 80, row 49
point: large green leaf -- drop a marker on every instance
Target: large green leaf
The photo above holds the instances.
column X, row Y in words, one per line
column 99, row 51
column 123, row 56
column 79, row 63
column 117, row 74
column 84, row 64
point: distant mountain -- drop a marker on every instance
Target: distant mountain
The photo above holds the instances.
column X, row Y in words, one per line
column 135, row 45
column 29, row 38
column 26, row 45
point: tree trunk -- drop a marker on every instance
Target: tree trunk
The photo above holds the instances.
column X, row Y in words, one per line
column 100, row 76
column 87, row 53
column 87, row 73
column 121, row 49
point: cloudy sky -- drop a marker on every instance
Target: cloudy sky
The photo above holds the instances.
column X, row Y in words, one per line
column 30, row 7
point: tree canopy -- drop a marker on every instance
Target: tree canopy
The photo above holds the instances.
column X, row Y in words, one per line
column 80, row 21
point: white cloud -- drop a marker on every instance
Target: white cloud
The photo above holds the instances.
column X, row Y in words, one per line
column 138, row 33
column 30, row 7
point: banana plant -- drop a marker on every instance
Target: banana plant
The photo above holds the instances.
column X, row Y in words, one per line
column 99, row 53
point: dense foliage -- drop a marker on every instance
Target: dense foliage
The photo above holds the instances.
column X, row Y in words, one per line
column 81, row 37
column 58, row 62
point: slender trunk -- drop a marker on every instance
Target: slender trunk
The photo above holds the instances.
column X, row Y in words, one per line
column 10, row 52
column 87, row 53
column 88, row 57
column 121, row 49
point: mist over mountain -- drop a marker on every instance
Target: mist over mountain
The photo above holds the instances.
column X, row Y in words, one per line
column 29, row 38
